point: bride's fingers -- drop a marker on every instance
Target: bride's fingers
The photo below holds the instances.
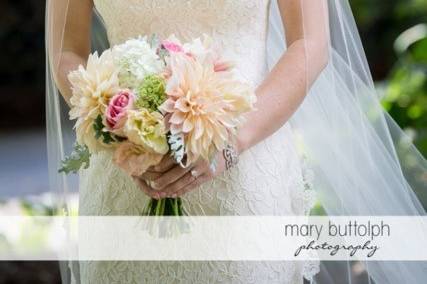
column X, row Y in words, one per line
column 146, row 189
column 189, row 178
column 167, row 179
column 202, row 173
column 191, row 186
column 165, row 164
column 148, row 175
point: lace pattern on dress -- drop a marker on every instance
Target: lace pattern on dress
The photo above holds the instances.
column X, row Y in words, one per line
column 267, row 181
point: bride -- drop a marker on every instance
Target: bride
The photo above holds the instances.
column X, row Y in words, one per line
column 317, row 89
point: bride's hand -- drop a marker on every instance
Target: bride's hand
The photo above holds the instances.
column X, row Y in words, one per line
column 178, row 180
column 152, row 174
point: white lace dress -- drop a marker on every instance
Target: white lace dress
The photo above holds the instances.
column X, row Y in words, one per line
column 267, row 181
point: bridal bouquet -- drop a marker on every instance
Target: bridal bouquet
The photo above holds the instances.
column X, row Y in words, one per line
column 147, row 98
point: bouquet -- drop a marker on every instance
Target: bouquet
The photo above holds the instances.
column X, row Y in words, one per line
column 147, row 98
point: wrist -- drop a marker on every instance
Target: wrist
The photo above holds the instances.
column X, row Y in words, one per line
column 242, row 143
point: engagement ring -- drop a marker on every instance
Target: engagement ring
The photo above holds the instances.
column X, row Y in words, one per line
column 194, row 173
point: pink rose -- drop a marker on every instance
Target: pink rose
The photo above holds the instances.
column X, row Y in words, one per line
column 171, row 46
column 117, row 108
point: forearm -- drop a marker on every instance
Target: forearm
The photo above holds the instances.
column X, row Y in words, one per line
column 281, row 93
column 69, row 26
column 69, row 61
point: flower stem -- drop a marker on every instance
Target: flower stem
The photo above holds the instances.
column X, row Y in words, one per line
column 158, row 207
column 175, row 207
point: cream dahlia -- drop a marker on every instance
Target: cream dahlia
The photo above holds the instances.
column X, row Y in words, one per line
column 204, row 105
column 92, row 88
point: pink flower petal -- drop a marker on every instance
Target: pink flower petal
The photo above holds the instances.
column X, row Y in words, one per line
column 175, row 129
column 167, row 106
column 187, row 126
column 171, row 46
column 177, row 118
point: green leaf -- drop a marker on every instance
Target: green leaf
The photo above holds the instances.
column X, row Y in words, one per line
column 79, row 158
column 100, row 132
column 163, row 53
column 154, row 40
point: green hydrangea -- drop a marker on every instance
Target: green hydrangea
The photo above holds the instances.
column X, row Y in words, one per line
column 151, row 93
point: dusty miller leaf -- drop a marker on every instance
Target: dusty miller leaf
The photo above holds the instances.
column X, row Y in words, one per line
column 78, row 158
column 176, row 143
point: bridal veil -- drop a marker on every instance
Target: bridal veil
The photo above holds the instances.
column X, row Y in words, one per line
column 363, row 163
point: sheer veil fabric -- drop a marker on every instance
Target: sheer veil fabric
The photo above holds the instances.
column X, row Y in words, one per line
column 363, row 163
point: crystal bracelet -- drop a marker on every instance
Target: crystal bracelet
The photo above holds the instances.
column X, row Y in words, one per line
column 230, row 156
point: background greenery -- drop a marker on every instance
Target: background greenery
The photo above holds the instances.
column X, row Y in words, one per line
column 394, row 34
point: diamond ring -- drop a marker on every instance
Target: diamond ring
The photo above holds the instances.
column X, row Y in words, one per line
column 194, row 173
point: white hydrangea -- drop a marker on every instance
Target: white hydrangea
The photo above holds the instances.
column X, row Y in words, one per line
column 136, row 59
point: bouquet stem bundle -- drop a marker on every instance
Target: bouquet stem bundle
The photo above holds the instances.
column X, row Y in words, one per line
column 164, row 207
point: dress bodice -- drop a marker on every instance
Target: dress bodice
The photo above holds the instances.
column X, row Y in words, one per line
column 239, row 26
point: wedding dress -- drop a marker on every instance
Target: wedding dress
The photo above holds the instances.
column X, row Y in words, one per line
column 268, row 180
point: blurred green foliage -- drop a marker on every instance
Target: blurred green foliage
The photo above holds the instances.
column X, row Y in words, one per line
column 397, row 54
column 406, row 92
column 380, row 23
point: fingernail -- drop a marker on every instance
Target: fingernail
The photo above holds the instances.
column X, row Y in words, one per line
column 173, row 195
column 154, row 185
column 162, row 194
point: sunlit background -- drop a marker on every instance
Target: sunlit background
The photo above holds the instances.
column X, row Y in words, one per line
column 394, row 34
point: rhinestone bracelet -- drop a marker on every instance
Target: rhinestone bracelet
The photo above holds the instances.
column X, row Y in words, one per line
column 230, row 156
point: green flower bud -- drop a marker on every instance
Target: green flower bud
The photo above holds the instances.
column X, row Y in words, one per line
column 151, row 93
